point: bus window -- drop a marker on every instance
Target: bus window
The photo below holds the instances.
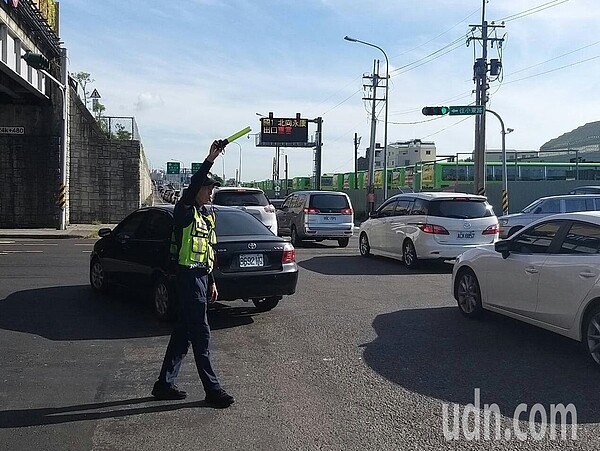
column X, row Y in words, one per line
column 531, row 173
column 448, row 173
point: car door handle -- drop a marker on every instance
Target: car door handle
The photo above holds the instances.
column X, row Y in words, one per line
column 531, row 271
column 587, row 275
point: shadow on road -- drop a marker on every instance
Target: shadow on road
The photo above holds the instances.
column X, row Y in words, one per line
column 78, row 313
column 439, row 353
column 57, row 415
column 345, row 265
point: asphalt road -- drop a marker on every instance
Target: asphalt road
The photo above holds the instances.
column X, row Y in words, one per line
column 363, row 356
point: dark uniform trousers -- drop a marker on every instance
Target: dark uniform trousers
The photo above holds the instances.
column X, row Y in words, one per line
column 191, row 328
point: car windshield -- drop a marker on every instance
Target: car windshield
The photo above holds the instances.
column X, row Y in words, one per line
column 532, row 206
column 239, row 223
column 241, row 198
column 460, row 209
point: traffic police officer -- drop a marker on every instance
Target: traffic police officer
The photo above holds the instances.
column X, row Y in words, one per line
column 194, row 236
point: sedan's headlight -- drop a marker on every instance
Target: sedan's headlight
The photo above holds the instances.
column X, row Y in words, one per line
column 503, row 221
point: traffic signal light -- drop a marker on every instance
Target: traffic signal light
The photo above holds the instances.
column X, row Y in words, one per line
column 435, row 110
column 37, row 61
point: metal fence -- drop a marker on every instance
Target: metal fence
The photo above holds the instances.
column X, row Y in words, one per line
column 120, row 128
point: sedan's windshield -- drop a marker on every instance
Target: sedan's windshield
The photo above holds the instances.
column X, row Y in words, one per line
column 532, row 206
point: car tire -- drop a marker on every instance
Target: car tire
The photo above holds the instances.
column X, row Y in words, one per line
column 591, row 335
column 98, row 278
column 294, row 237
column 266, row 304
column 468, row 294
column 163, row 299
column 513, row 230
column 409, row 255
column 343, row 242
column 363, row 245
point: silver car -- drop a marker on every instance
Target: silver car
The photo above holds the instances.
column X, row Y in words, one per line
column 546, row 206
column 318, row 216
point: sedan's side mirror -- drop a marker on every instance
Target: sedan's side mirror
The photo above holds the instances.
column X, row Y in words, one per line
column 504, row 247
column 372, row 214
column 104, row 232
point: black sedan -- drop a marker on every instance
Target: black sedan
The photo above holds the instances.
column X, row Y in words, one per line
column 251, row 262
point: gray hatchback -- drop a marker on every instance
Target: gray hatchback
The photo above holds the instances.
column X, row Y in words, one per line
column 318, row 216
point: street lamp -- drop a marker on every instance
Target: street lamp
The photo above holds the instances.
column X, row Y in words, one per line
column 504, row 174
column 41, row 63
column 387, row 82
column 239, row 177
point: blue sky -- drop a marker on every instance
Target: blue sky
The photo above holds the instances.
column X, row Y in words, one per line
column 191, row 71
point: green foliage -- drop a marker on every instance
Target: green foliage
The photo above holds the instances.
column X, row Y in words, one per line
column 83, row 78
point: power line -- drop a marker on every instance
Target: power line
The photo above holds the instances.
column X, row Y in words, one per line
column 533, row 10
column 553, row 70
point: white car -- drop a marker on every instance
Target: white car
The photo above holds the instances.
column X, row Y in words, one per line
column 546, row 206
column 547, row 274
column 251, row 200
column 427, row 226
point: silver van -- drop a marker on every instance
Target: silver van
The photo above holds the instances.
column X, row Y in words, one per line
column 316, row 215
column 546, row 206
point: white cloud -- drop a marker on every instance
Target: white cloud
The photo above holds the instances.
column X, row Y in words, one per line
column 147, row 100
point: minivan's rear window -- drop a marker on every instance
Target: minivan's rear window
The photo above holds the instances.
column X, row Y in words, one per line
column 460, row 209
column 240, row 199
column 329, row 203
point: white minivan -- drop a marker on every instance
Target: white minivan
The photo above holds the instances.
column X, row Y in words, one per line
column 428, row 226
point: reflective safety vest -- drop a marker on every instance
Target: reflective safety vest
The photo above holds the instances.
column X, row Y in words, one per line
column 197, row 242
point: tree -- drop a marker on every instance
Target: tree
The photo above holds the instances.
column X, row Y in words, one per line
column 83, row 78
column 121, row 133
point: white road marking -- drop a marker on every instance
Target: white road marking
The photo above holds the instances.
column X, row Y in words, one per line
column 40, row 244
column 23, row 252
column 7, row 242
column 84, row 244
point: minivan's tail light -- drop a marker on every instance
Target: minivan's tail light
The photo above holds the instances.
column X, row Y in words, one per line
column 312, row 211
column 270, row 209
column 289, row 254
column 492, row 230
column 435, row 229
column 346, row 211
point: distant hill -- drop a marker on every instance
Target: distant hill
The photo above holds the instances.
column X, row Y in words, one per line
column 588, row 134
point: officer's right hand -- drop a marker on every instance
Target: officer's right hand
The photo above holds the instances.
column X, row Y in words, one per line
column 215, row 150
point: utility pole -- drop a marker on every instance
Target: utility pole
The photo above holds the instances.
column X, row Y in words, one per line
column 318, row 151
column 287, row 188
column 374, row 84
column 480, row 70
column 356, row 144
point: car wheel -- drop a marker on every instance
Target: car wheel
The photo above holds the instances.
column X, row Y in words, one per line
column 163, row 299
column 409, row 255
column 98, row 279
column 513, row 230
column 591, row 334
column 294, row 237
column 468, row 294
column 266, row 304
column 363, row 245
column 343, row 242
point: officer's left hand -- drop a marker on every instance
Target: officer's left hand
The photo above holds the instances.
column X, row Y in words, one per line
column 213, row 293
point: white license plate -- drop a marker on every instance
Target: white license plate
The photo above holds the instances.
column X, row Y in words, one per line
column 466, row 235
column 251, row 260
column 329, row 218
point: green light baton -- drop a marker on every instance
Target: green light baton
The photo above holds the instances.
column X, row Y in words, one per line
column 237, row 135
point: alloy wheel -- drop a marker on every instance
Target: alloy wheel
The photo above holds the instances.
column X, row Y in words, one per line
column 365, row 249
column 161, row 299
column 468, row 293
column 593, row 337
